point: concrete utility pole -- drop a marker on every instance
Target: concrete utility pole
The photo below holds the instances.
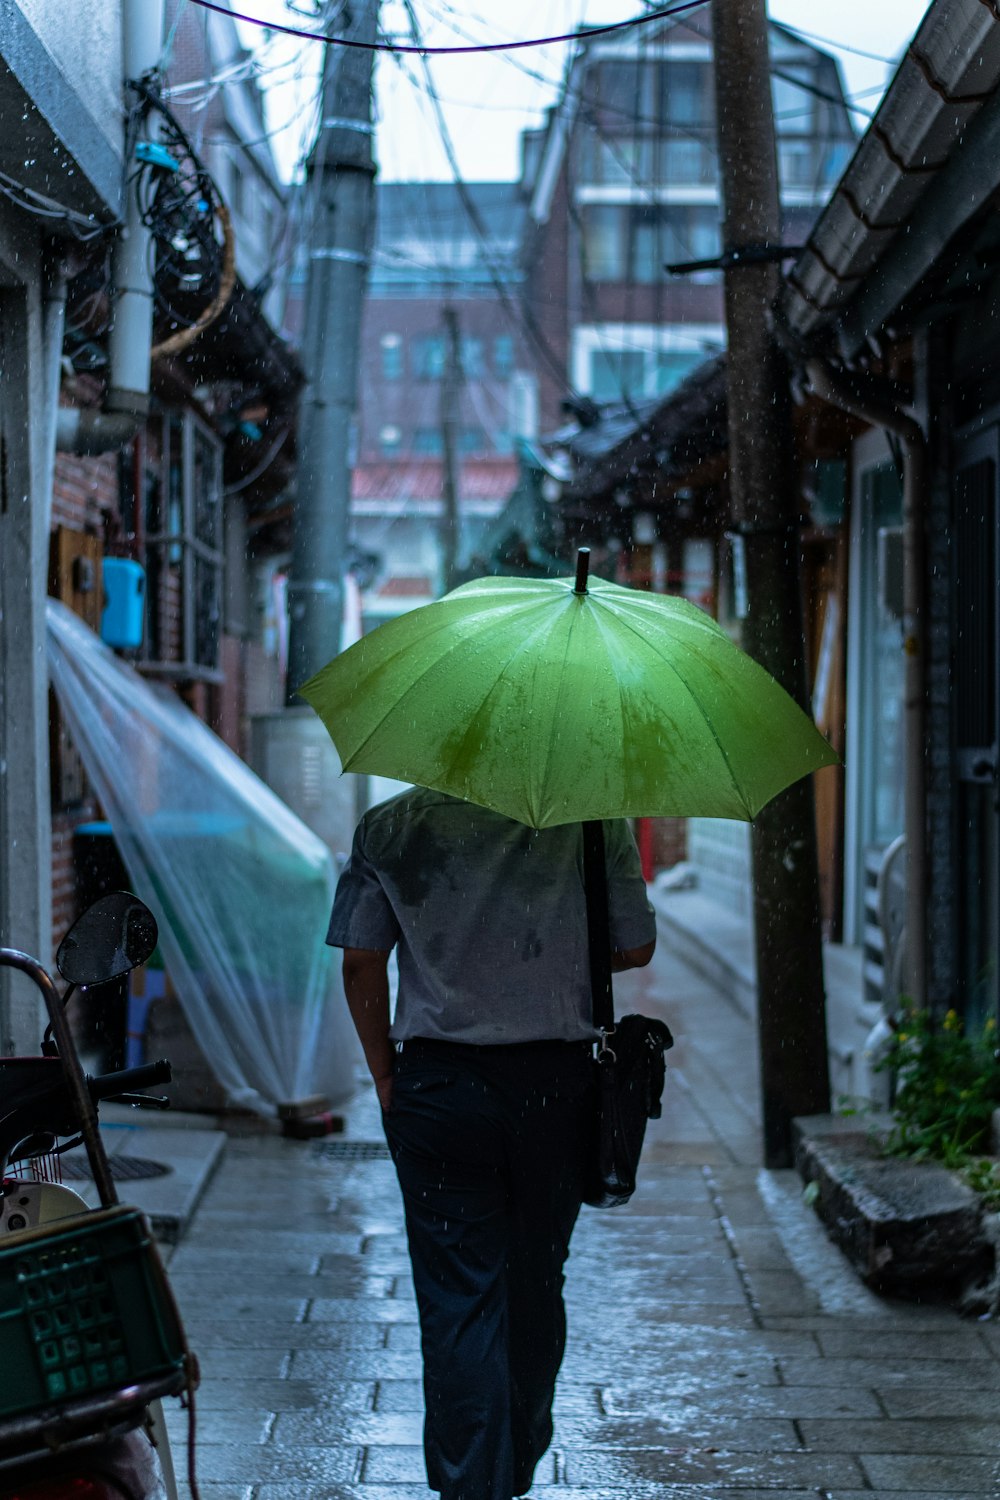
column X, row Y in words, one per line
column 792, row 1011
column 451, row 381
column 343, row 175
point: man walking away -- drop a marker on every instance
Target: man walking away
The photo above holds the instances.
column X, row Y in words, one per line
column 485, row 1080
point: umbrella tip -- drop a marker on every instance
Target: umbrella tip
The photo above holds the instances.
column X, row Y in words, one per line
column 582, row 569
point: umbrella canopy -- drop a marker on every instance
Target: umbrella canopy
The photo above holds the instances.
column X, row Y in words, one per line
column 553, row 702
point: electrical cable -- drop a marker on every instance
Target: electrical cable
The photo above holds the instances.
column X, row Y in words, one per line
column 389, row 46
column 44, row 207
column 227, row 280
column 828, row 41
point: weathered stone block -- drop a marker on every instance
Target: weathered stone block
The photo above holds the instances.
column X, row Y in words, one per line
column 909, row 1228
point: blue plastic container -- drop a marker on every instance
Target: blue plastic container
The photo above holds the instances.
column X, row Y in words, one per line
column 124, row 603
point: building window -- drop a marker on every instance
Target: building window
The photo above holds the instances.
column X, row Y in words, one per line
column 184, row 556
column 794, row 105
column 687, row 232
column 389, row 440
column 473, row 363
column 605, row 241
column 617, row 374
column 624, row 243
column 613, row 93
column 686, row 162
column 391, row 349
column 428, row 442
column 503, row 356
column 686, row 94
column 428, row 357
column 797, row 162
column 672, row 365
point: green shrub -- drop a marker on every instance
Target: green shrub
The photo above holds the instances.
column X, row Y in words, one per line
column 947, row 1087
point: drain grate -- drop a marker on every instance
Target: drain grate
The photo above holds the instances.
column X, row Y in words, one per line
column 123, row 1168
column 352, row 1150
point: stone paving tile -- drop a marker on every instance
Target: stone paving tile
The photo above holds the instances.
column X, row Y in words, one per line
column 362, row 1429
column 315, row 1467
column 973, row 1373
column 395, row 1465
column 247, row 1427
column 225, row 1491
column 933, row 1401
column 945, row 1437
column 706, row 1339
column 254, row 1242
column 216, row 1361
column 236, row 1394
column 361, row 1309
column 772, row 1470
column 961, row 1343
column 677, row 1431
column 884, row 1317
column 268, row 1336
column 990, row 1334
column 199, row 1304
column 190, row 1284
column 193, row 1257
column 839, row 1494
column 892, row 1472
column 723, row 1401
column 633, row 1490
column 399, row 1396
column 374, row 1364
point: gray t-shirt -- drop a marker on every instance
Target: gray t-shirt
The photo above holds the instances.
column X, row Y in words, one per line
column 489, row 918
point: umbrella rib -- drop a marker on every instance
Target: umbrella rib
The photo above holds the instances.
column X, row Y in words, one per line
column 701, row 709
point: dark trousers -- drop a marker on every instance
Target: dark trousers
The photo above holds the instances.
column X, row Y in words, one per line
column 489, row 1145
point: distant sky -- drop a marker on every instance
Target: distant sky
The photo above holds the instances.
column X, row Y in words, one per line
column 488, row 100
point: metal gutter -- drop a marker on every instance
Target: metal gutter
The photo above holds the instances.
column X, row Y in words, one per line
column 882, row 228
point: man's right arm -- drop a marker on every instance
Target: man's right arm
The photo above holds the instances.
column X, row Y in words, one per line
column 366, row 985
column 632, row 958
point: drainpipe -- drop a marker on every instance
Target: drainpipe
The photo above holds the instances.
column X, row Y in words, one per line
column 53, row 330
column 126, row 403
column 860, row 395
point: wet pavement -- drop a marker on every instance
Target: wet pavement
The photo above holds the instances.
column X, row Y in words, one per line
column 718, row 1343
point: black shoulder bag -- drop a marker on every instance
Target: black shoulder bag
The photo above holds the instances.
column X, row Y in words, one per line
column 629, row 1062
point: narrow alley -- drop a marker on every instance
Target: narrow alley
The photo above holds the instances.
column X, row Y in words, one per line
column 718, row 1344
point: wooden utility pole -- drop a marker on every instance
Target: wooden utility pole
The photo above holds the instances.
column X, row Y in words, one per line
column 450, row 383
column 762, row 470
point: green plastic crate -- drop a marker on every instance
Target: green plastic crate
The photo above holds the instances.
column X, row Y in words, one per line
column 84, row 1309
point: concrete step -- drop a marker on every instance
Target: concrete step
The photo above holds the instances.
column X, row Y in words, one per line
column 910, row 1229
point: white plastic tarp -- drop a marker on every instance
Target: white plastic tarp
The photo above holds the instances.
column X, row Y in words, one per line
column 241, row 889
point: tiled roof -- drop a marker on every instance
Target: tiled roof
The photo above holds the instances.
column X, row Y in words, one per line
column 422, row 479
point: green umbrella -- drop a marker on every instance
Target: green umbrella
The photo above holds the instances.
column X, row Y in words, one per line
column 558, row 701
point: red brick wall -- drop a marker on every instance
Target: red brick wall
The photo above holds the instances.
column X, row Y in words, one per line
column 84, row 494
column 64, row 902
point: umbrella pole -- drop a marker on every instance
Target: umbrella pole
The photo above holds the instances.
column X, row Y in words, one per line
column 595, row 885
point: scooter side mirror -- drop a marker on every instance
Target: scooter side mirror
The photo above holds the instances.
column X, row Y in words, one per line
column 116, row 934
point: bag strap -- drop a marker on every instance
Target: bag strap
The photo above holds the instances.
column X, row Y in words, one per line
column 595, row 884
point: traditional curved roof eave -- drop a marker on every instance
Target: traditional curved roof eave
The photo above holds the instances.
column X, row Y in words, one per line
column 908, row 189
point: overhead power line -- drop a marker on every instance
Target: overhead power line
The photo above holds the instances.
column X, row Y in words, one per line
column 582, row 35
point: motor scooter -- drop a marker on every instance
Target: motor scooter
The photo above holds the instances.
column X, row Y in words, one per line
column 91, row 1337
